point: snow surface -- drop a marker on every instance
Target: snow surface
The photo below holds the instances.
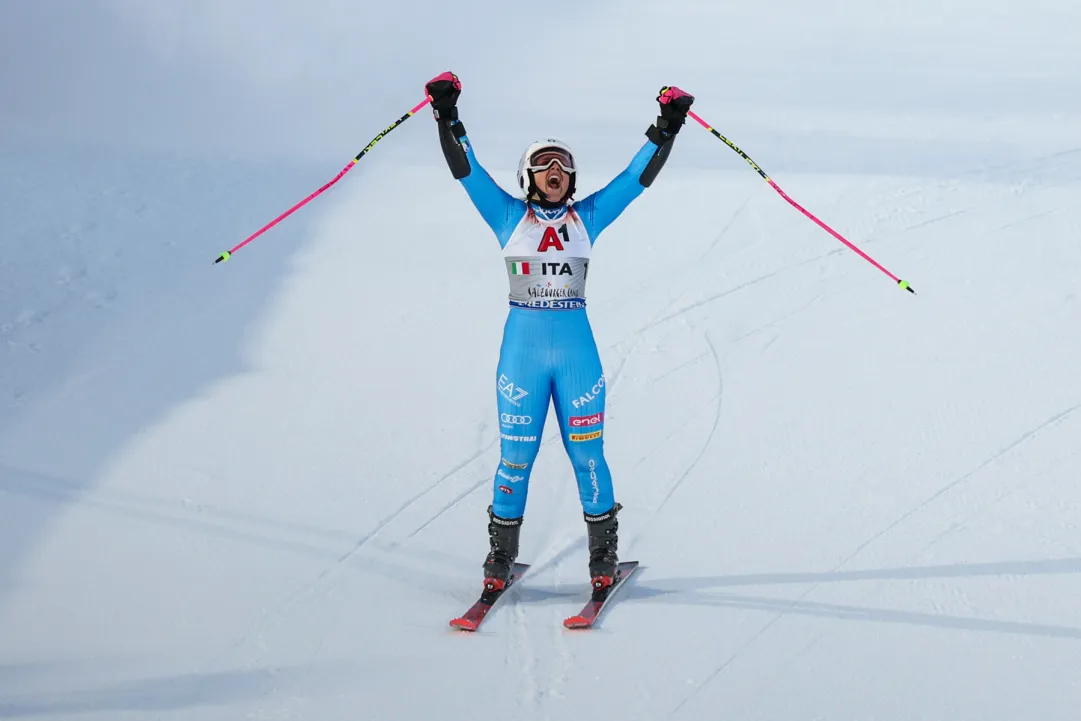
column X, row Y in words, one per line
column 258, row 489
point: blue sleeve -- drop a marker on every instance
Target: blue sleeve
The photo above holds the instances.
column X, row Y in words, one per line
column 500, row 210
column 604, row 206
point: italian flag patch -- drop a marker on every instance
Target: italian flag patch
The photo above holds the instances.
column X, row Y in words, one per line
column 519, row 268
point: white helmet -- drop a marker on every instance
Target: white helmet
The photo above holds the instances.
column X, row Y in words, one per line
column 540, row 155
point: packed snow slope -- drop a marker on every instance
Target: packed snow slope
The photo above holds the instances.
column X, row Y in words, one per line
column 258, row 489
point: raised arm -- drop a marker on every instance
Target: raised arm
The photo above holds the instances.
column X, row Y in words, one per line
column 500, row 210
column 604, row 206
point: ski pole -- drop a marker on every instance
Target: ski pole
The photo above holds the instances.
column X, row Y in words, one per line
column 229, row 253
column 902, row 283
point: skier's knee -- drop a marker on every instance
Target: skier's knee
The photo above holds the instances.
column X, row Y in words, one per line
column 517, row 460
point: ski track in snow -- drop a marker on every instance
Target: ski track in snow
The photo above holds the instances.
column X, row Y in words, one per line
column 777, row 673
column 787, row 607
column 676, row 369
column 735, row 289
column 406, row 506
column 521, row 655
column 1027, row 219
column 1024, row 438
column 659, row 317
column 724, row 231
column 702, row 685
column 937, row 219
column 617, row 375
column 296, row 596
column 485, row 481
column 1011, row 491
column 709, row 439
column 663, row 317
column 236, row 525
column 787, row 316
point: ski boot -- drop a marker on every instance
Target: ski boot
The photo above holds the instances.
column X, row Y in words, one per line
column 603, row 541
column 503, row 537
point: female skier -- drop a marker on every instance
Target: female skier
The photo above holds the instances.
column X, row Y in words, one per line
column 548, row 351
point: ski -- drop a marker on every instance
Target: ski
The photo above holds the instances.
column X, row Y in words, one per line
column 600, row 599
column 471, row 619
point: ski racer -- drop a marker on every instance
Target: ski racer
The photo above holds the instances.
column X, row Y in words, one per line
column 548, row 353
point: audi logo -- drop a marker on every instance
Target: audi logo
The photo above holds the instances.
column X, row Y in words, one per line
column 516, row 420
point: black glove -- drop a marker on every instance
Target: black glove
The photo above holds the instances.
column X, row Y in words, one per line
column 444, row 90
column 674, row 106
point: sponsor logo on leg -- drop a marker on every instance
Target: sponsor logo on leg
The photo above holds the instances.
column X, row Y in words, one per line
column 593, row 479
column 508, row 420
column 586, row 421
column 590, row 396
column 519, row 439
column 513, row 479
column 510, row 391
column 517, row 466
column 506, row 490
column 591, row 436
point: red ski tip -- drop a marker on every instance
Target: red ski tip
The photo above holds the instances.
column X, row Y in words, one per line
column 464, row 624
column 576, row 622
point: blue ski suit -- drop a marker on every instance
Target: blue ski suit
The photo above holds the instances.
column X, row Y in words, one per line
column 548, row 353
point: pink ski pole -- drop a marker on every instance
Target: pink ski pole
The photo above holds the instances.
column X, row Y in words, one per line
column 229, row 253
column 902, row 283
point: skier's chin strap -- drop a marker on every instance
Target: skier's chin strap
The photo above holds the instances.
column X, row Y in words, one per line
column 536, row 197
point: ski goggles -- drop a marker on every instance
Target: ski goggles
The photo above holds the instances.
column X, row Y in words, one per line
column 543, row 159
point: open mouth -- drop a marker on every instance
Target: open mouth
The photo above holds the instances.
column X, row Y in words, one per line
column 553, row 181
